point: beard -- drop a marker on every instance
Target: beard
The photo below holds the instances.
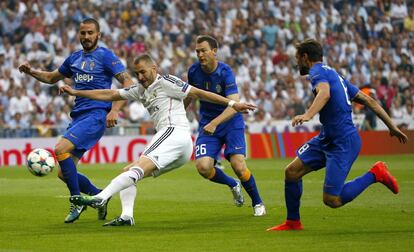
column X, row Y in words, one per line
column 89, row 44
column 303, row 70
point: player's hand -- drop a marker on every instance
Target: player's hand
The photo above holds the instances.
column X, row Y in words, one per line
column 25, row 68
column 66, row 89
column 399, row 134
column 112, row 119
column 209, row 129
column 299, row 119
column 244, row 107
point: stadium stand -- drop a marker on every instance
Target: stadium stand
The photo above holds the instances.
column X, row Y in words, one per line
column 370, row 42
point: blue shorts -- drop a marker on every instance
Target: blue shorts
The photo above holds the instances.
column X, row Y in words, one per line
column 210, row 145
column 337, row 156
column 85, row 130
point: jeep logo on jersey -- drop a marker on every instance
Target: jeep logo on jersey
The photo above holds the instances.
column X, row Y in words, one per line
column 83, row 77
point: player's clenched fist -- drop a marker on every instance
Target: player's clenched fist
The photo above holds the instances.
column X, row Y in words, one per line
column 299, row 119
column 25, row 68
column 67, row 89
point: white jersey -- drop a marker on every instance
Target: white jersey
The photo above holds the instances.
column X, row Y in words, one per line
column 163, row 99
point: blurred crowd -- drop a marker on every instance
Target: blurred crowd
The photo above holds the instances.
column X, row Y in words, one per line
column 370, row 42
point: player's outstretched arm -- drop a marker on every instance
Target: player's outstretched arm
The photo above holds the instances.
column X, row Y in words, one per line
column 97, row 94
column 112, row 118
column 380, row 112
column 215, row 98
column 322, row 97
column 43, row 76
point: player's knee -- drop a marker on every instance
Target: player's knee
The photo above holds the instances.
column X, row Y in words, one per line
column 61, row 149
column 203, row 169
column 60, row 175
column 291, row 174
column 239, row 170
column 238, row 164
column 58, row 150
column 332, row 202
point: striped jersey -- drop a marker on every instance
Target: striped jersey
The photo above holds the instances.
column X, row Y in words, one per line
column 163, row 99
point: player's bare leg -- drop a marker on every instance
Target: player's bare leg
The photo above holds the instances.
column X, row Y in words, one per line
column 205, row 166
column 332, row 200
column 247, row 180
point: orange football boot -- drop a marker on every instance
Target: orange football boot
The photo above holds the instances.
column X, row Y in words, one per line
column 287, row 225
column 383, row 176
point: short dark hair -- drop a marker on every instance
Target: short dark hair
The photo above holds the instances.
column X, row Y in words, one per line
column 212, row 42
column 312, row 48
column 92, row 21
column 144, row 57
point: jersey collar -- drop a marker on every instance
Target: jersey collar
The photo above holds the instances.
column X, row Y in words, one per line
column 153, row 84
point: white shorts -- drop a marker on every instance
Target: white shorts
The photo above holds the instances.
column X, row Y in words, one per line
column 170, row 148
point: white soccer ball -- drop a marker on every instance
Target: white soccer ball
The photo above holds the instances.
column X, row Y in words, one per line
column 40, row 162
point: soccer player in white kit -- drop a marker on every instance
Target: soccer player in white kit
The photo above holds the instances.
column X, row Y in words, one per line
column 170, row 148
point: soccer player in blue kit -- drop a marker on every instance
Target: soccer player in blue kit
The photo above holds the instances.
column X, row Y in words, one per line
column 221, row 125
column 90, row 68
column 338, row 144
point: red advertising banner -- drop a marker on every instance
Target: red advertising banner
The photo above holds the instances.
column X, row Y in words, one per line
column 282, row 145
column 121, row 149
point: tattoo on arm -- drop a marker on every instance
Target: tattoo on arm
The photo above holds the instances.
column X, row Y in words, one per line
column 124, row 78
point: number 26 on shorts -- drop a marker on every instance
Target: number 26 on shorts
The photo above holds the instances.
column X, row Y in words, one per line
column 200, row 150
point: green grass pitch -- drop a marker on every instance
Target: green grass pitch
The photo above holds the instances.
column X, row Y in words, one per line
column 180, row 211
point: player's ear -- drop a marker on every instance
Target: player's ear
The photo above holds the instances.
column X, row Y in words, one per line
column 305, row 57
column 99, row 35
column 154, row 67
column 214, row 51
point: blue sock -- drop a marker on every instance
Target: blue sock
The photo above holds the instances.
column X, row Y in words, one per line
column 293, row 193
column 70, row 175
column 251, row 189
column 354, row 187
column 86, row 185
column 221, row 178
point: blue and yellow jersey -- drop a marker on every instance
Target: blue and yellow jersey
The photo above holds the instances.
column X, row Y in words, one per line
column 222, row 82
column 336, row 115
column 92, row 70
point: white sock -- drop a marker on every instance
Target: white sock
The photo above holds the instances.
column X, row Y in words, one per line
column 124, row 180
column 127, row 200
